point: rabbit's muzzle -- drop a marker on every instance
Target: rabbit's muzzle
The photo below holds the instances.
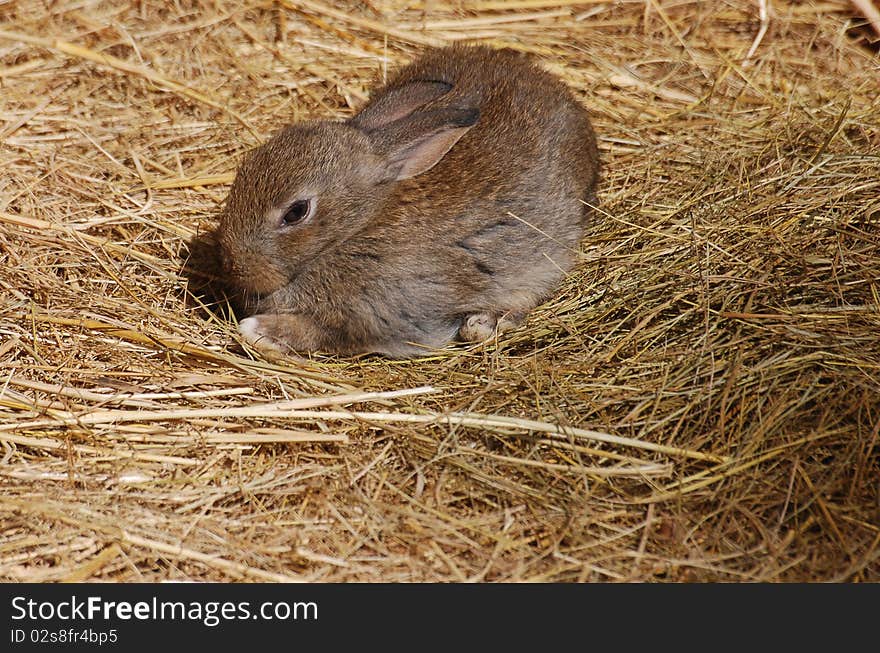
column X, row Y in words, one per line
column 251, row 272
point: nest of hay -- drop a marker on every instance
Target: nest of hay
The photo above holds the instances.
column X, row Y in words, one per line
column 699, row 401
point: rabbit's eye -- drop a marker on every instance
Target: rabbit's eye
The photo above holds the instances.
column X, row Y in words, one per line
column 298, row 212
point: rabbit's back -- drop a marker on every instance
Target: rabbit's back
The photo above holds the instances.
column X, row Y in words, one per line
column 501, row 215
column 529, row 119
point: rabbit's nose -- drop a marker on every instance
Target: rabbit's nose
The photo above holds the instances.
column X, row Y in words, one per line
column 255, row 273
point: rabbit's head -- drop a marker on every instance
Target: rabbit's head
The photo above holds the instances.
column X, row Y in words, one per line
column 313, row 185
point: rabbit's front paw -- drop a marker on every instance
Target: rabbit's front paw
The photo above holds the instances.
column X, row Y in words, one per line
column 278, row 335
column 258, row 336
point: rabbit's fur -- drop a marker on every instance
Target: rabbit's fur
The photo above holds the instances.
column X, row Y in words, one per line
column 450, row 205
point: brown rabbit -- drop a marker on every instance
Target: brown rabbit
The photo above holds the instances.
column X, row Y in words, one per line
column 450, row 205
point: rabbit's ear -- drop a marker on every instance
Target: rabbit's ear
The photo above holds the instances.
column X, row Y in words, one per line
column 414, row 145
column 398, row 103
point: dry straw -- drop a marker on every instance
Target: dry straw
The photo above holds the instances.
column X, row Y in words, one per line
column 699, row 401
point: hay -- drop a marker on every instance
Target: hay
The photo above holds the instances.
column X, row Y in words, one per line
column 700, row 401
